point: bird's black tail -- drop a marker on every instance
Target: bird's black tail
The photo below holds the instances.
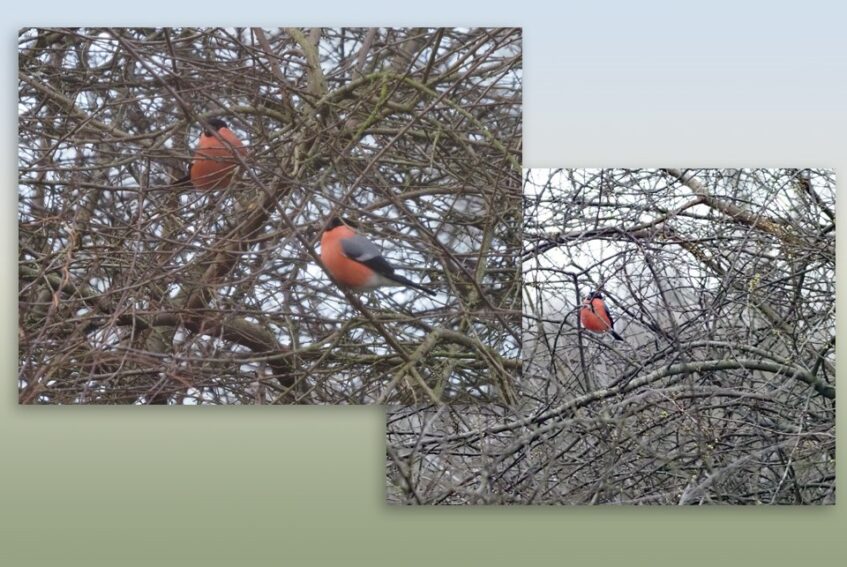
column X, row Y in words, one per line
column 615, row 336
column 409, row 283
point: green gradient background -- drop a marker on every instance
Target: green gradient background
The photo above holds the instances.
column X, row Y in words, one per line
column 304, row 486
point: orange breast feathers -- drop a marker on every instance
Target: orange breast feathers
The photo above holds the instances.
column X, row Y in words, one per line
column 345, row 271
column 594, row 317
column 214, row 162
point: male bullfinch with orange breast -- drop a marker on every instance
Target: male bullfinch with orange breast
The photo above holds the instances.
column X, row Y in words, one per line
column 356, row 262
column 214, row 160
column 595, row 316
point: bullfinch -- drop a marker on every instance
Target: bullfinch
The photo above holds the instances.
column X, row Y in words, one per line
column 356, row 262
column 214, row 161
column 595, row 316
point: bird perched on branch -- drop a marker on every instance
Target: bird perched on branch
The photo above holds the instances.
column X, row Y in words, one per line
column 214, row 160
column 595, row 316
column 356, row 262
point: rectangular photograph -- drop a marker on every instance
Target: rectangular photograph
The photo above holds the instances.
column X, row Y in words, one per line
column 678, row 349
column 229, row 216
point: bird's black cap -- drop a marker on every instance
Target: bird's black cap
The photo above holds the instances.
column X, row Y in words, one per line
column 336, row 222
column 215, row 123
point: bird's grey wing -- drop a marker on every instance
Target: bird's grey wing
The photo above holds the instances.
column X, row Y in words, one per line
column 364, row 251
